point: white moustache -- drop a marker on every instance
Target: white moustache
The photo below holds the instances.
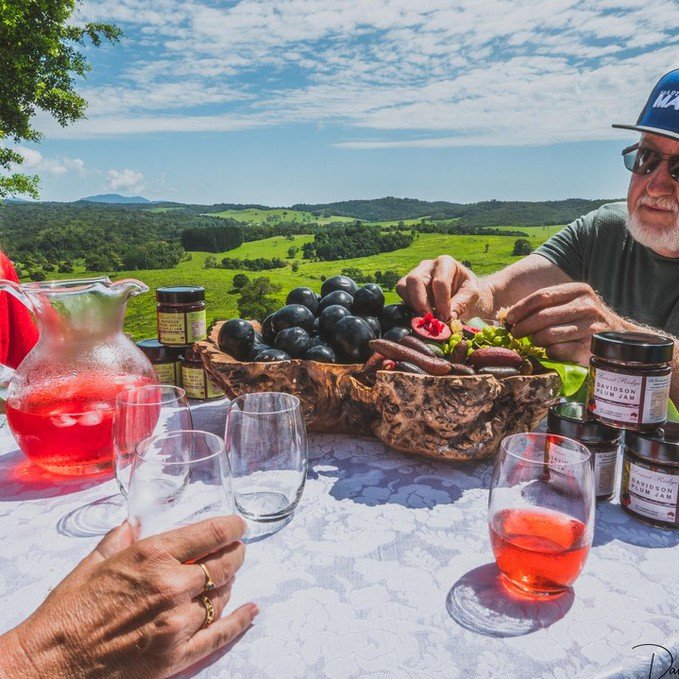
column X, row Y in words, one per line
column 659, row 203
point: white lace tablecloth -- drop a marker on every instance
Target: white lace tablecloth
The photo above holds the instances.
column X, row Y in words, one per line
column 357, row 584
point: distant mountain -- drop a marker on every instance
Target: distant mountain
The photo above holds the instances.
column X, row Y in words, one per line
column 114, row 198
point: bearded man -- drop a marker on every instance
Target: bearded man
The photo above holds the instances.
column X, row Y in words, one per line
column 616, row 268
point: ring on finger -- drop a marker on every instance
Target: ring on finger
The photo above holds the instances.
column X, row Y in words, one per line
column 209, row 583
column 209, row 610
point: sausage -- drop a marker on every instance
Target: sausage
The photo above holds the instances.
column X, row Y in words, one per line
column 459, row 352
column 418, row 345
column 495, row 356
column 498, row 371
column 396, row 352
column 406, row 367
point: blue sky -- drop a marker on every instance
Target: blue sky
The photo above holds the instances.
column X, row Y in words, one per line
column 285, row 101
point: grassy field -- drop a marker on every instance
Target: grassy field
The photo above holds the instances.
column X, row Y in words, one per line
column 221, row 297
column 276, row 215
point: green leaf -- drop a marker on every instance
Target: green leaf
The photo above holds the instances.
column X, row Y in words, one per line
column 572, row 375
column 672, row 412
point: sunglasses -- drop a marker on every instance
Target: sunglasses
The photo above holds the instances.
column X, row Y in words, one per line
column 643, row 160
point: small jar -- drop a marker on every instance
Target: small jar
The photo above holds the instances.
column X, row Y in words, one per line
column 572, row 420
column 181, row 315
column 650, row 476
column 195, row 380
column 629, row 379
column 165, row 361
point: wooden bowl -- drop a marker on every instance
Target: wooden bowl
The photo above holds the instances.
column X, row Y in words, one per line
column 446, row 418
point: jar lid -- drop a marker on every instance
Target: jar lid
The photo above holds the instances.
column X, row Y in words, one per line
column 157, row 352
column 660, row 446
column 638, row 347
column 572, row 421
column 180, row 294
column 190, row 356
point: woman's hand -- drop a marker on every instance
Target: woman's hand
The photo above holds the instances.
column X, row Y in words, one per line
column 447, row 286
column 132, row 610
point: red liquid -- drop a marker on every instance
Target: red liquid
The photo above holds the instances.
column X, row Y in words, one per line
column 538, row 551
column 67, row 427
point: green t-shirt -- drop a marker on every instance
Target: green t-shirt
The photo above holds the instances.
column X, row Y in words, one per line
column 632, row 279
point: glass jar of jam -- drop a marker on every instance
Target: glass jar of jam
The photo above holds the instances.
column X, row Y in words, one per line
column 650, row 476
column 181, row 315
column 629, row 379
column 195, row 380
column 572, row 420
column 165, row 361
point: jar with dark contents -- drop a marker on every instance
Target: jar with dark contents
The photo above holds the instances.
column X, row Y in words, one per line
column 181, row 315
column 629, row 379
column 165, row 361
column 650, row 476
column 195, row 380
column 572, row 420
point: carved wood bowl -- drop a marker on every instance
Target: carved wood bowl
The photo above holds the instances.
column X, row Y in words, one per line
column 446, row 418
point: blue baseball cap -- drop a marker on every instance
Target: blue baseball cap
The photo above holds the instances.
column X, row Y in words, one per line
column 661, row 113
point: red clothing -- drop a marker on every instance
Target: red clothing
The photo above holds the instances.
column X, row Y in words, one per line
column 18, row 332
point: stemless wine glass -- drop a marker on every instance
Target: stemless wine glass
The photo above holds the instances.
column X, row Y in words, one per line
column 541, row 512
column 143, row 412
column 267, row 448
column 177, row 479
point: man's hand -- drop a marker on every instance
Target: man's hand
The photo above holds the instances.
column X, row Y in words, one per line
column 562, row 318
column 447, row 286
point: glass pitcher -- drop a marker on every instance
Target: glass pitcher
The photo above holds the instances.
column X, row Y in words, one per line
column 60, row 400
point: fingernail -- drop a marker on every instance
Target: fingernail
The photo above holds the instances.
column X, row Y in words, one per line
column 254, row 609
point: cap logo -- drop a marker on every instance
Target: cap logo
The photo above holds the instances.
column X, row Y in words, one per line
column 667, row 98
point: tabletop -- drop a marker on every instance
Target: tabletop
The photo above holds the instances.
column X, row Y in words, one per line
column 363, row 580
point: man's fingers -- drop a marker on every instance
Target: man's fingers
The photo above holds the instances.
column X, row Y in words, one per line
column 418, row 294
column 545, row 298
column 222, row 567
column 559, row 334
column 441, row 284
column 190, row 543
column 563, row 314
column 568, row 351
column 220, row 633
column 463, row 300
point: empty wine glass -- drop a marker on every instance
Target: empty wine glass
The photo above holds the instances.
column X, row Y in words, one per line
column 267, row 448
column 177, row 479
column 541, row 512
column 143, row 412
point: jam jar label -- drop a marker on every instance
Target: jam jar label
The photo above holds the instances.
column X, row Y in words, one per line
column 632, row 399
column 604, row 472
column 196, row 326
column 166, row 373
column 172, row 328
column 197, row 385
column 562, row 461
column 653, row 494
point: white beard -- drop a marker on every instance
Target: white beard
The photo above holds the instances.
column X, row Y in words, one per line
column 660, row 240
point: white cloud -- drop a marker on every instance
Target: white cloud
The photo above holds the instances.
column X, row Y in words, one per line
column 34, row 161
column 130, row 181
column 427, row 72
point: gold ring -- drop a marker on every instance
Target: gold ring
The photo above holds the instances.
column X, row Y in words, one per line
column 209, row 610
column 209, row 584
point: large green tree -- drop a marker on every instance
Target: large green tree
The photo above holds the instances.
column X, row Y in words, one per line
column 39, row 59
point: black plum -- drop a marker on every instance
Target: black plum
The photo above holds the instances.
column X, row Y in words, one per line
column 374, row 324
column 293, row 341
column 395, row 315
column 321, row 353
column 305, row 297
column 236, row 338
column 396, row 334
column 350, row 337
column 329, row 317
column 338, row 283
column 337, row 297
column 271, row 355
column 293, row 316
column 368, row 301
column 258, row 348
column 268, row 332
